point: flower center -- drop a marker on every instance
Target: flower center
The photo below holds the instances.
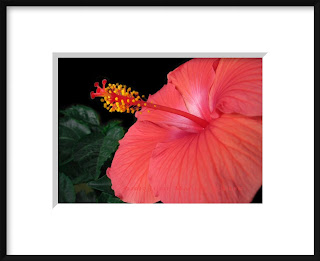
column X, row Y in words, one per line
column 117, row 97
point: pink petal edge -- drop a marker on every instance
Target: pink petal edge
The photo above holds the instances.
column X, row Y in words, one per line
column 193, row 80
column 237, row 87
column 130, row 165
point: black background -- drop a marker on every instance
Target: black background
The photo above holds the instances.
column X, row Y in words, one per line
column 76, row 77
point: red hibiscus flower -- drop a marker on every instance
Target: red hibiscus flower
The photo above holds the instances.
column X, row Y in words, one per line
column 197, row 140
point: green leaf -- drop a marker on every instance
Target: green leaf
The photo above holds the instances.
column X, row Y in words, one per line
column 83, row 114
column 66, row 190
column 70, row 131
column 93, row 150
column 107, row 198
column 102, row 184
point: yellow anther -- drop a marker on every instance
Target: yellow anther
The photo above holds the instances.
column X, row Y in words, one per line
column 148, row 111
column 140, row 112
column 121, row 98
column 154, row 105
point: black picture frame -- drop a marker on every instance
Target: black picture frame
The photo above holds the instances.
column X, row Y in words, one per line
column 3, row 114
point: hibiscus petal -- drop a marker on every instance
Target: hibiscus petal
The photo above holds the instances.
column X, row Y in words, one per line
column 130, row 165
column 221, row 164
column 237, row 87
column 193, row 80
column 170, row 97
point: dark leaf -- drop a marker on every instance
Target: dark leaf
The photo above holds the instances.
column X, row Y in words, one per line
column 107, row 198
column 66, row 190
column 102, row 184
column 70, row 131
column 93, row 150
column 75, row 172
column 83, row 114
column 111, row 124
column 85, row 194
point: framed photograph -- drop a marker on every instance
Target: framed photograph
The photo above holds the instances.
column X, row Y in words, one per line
column 205, row 108
column 95, row 168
